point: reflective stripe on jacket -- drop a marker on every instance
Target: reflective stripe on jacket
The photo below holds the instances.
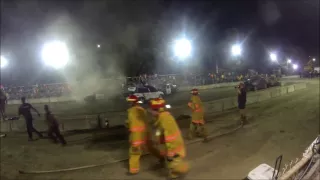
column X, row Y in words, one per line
column 170, row 137
column 197, row 115
column 137, row 118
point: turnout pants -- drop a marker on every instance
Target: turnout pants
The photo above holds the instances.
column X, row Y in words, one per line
column 135, row 153
column 54, row 134
column 177, row 166
column 197, row 129
column 31, row 129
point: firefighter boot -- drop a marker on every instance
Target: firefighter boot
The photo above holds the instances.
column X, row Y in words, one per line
column 204, row 133
column 178, row 168
column 134, row 160
column 192, row 131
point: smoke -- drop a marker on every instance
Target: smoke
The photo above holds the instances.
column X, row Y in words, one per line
column 270, row 13
column 91, row 69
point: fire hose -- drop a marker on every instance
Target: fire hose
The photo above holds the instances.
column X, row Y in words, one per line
column 210, row 137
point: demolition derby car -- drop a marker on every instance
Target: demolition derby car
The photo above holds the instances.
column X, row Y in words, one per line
column 145, row 93
column 257, row 82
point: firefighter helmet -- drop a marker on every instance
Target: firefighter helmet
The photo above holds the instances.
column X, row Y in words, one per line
column 132, row 98
column 194, row 91
column 157, row 104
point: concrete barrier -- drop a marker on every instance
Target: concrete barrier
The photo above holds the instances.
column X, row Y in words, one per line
column 264, row 95
column 14, row 102
column 118, row 118
column 275, row 92
column 252, row 98
column 290, row 88
column 283, row 90
column 212, row 86
column 300, row 86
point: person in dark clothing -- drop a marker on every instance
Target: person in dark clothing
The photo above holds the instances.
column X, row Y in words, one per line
column 53, row 125
column 3, row 103
column 242, row 99
column 24, row 110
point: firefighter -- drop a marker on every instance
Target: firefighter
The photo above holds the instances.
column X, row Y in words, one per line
column 139, row 137
column 170, row 139
column 197, row 126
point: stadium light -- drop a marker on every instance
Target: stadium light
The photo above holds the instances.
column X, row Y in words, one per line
column 182, row 48
column 98, row 45
column 314, row 59
column 289, row 61
column 55, row 54
column 3, row 62
column 236, row 50
column 295, row 66
column 273, row 57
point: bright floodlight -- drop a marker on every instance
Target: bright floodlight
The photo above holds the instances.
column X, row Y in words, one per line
column 314, row 59
column 289, row 61
column 273, row 57
column 55, row 54
column 182, row 48
column 295, row 66
column 98, row 46
column 3, row 62
column 236, row 50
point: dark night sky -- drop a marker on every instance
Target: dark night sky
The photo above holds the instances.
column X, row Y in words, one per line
column 289, row 27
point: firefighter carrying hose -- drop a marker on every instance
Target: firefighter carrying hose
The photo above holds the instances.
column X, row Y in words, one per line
column 197, row 126
column 140, row 135
column 170, row 139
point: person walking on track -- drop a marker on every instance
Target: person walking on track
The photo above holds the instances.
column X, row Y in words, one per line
column 170, row 139
column 197, row 125
column 242, row 100
column 53, row 127
column 25, row 111
column 140, row 135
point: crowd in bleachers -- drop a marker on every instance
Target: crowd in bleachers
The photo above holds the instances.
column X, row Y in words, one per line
column 36, row 91
column 63, row 89
column 187, row 80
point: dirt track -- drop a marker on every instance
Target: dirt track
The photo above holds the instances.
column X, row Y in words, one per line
column 284, row 125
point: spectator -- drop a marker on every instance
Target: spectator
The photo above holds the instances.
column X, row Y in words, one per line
column 24, row 110
column 242, row 100
column 53, row 127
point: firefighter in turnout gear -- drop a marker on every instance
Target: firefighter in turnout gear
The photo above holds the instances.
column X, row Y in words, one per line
column 139, row 137
column 197, row 125
column 170, row 139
